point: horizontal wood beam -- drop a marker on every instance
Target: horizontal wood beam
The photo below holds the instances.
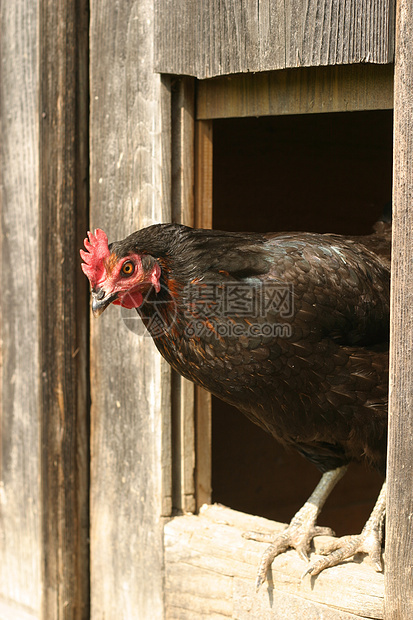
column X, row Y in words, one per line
column 210, row 571
column 209, row 38
column 297, row 91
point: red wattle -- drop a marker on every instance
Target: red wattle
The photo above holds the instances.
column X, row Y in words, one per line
column 131, row 299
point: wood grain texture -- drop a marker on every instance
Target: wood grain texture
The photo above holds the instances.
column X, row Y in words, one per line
column 12, row 611
column 210, row 572
column 20, row 502
column 212, row 37
column 192, row 206
column 203, row 219
column 183, row 137
column 203, row 431
column 399, row 533
column 182, row 192
column 64, row 397
column 304, row 91
column 203, row 174
column 130, row 383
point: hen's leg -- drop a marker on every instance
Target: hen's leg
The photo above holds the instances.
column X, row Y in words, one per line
column 369, row 541
column 302, row 528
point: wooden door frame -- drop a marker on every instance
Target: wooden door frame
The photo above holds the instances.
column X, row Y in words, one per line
column 399, row 547
column 338, row 89
column 191, row 205
column 194, row 106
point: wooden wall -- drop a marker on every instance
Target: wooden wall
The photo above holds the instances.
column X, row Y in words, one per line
column 44, row 467
column 44, row 459
column 44, row 113
column 211, row 38
column 63, row 301
column 399, row 547
column 20, row 504
column 130, row 442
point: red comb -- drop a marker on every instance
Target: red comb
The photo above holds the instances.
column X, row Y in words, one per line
column 97, row 250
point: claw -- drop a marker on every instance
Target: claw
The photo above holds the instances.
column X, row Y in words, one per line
column 307, row 571
column 368, row 542
column 302, row 528
column 258, row 582
column 339, row 550
column 303, row 554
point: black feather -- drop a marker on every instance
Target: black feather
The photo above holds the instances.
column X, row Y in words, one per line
column 314, row 373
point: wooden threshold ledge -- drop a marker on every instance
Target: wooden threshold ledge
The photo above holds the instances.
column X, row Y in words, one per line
column 210, row 572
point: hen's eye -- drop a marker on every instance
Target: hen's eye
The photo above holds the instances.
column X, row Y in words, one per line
column 128, row 268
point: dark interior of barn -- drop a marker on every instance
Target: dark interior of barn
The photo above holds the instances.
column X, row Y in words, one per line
column 322, row 173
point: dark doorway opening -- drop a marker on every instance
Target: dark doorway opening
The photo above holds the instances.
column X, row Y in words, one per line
column 322, row 173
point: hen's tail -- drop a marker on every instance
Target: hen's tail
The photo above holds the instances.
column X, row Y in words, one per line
column 379, row 241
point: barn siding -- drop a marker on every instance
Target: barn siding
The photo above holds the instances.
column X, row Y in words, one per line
column 20, row 537
column 130, row 171
column 130, row 188
column 212, row 37
column 63, row 307
column 399, row 532
column 44, row 463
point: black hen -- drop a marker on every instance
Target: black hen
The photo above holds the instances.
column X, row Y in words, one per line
column 290, row 328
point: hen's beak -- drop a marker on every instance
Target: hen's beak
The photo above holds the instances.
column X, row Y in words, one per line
column 101, row 300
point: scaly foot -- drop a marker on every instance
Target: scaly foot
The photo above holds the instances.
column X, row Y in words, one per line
column 297, row 535
column 369, row 542
column 302, row 528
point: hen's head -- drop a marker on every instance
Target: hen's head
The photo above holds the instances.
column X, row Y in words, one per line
column 123, row 278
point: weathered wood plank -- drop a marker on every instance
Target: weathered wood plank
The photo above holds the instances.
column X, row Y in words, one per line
column 203, row 219
column 165, row 156
column 192, row 206
column 203, row 174
column 399, row 532
column 63, row 199
column 330, row 32
column 183, row 136
column 214, row 38
column 304, row 91
column 130, row 383
column 284, row 605
column 211, row 570
column 20, row 502
column 182, row 191
column 11, row 611
column 203, row 426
